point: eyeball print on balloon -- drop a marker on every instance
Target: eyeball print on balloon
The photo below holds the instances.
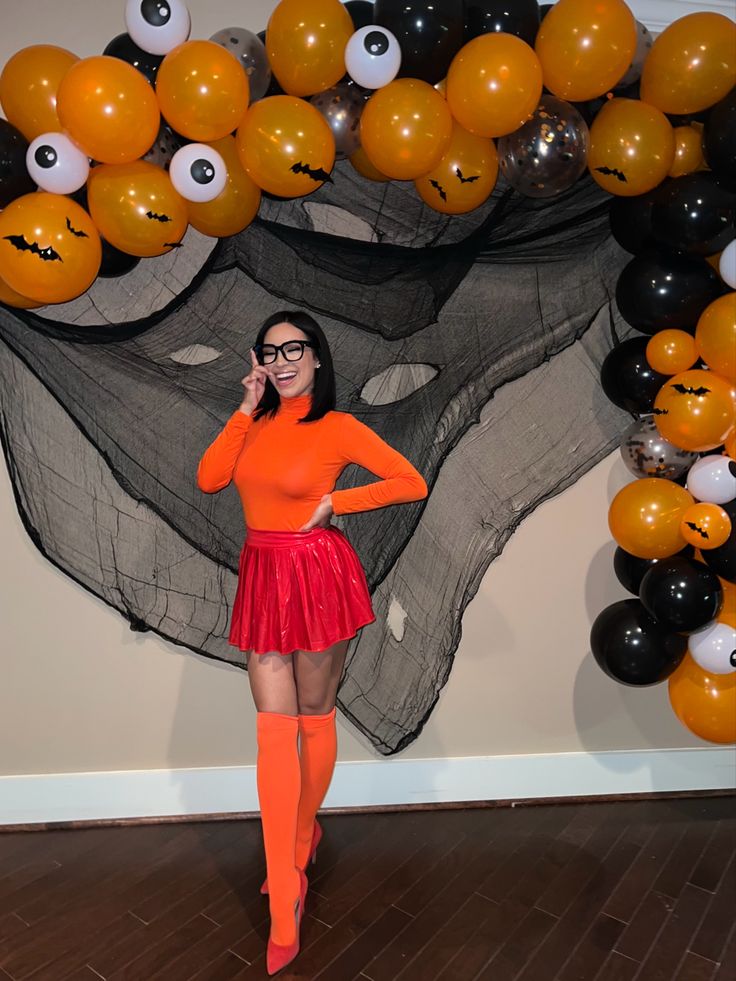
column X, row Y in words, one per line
column 56, row 164
column 198, row 172
column 373, row 57
column 157, row 26
column 713, row 478
column 714, row 648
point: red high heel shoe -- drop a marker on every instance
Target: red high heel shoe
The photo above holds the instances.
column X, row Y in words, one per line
column 279, row 955
column 312, row 857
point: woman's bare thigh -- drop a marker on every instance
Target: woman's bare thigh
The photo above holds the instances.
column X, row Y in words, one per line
column 317, row 675
column 272, row 682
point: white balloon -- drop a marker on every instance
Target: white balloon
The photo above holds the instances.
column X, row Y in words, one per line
column 198, row 172
column 714, row 648
column 157, row 26
column 373, row 57
column 57, row 164
column 713, row 479
column 727, row 265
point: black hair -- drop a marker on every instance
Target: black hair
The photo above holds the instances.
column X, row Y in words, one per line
column 324, row 394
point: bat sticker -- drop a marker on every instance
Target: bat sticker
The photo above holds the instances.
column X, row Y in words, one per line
column 74, row 230
column 466, row 180
column 156, row 217
column 173, row 245
column 619, row 175
column 48, row 254
column 689, row 390
column 693, row 527
column 440, row 189
column 660, row 412
column 316, row 175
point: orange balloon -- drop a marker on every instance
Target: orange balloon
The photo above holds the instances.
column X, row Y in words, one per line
column 688, row 151
column 406, row 128
column 705, row 525
column 305, row 44
column 715, row 261
column 49, row 249
column 695, row 410
column 29, row 83
column 704, row 703
column 715, row 336
column 494, row 84
column 365, row 168
column 136, row 208
column 236, row 207
column 692, row 64
column 464, row 177
column 11, row 298
column 671, row 351
column 632, row 147
column 109, row 109
column 729, row 444
column 202, row 90
column 585, row 48
column 644, row 517
column 286, row 146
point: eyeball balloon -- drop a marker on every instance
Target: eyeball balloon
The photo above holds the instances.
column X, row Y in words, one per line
column 713, row 479
column 727, row 265
column 157, row 26
column 714, row 648
column 373, row 57
column 198, row 172
column 57, row 164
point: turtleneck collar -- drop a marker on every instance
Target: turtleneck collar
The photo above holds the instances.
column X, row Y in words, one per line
column 296, row 407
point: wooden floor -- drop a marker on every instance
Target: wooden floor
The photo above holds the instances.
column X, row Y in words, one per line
column 606, row 891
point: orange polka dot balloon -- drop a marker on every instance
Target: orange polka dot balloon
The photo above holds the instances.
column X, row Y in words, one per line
column 695, row 410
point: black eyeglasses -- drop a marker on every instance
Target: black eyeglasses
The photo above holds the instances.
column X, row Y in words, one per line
column 292, row 350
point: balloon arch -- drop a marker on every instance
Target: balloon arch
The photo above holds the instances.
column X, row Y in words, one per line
column 107, row 160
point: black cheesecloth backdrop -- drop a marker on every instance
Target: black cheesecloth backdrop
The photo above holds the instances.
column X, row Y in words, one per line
column 472, row 344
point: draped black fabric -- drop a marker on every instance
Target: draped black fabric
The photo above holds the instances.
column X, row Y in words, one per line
column 471, row 344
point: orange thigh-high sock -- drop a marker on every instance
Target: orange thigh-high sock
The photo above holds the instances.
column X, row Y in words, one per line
column 278, row 778
column 317, row 759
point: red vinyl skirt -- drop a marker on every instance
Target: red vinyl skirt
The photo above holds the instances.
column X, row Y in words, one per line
column 298, row 590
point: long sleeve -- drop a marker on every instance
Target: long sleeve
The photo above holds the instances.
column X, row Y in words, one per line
column 215, row 469
column 401, row 482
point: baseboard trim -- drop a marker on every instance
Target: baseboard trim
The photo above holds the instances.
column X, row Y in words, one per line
column 62, row 799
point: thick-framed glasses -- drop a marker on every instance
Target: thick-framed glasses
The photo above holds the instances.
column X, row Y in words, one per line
column 292, row 351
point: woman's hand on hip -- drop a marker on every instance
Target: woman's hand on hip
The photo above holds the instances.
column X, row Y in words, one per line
column 322, row 514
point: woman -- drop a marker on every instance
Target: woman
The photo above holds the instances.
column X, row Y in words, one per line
column 302, row 592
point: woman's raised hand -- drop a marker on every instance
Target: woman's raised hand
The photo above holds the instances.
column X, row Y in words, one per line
column 254, row 384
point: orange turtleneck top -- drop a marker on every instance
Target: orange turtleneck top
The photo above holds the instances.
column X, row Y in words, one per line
column 282, row 468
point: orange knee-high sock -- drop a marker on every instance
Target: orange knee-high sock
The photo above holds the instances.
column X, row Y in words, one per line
column 317, row 759
column 278, row 778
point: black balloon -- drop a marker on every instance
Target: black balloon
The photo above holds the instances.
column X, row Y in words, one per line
column 630, row 569
column 631, row 647
column 362, row 13
column 14, row 178
column 628, row 379
column 722, row 560
column 125, row 48
column 519, row 17
column 694, row 213
column 659, row 290
column 544, row 9
column 590, row 109
column 429, row 32
column 719, row 136
column 681, row 594
column 274, row 88
column 631, row 222
column 114, row 262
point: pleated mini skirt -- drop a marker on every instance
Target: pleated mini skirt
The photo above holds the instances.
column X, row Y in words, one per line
column 298, row 590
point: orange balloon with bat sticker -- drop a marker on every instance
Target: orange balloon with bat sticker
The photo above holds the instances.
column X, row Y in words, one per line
column 464, row 177
column 50, row 250
column 705, row 525
column 695, row 410
column 632, row 146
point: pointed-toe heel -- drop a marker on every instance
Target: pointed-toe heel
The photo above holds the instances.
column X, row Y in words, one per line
column 279, row 955
column 312, row 857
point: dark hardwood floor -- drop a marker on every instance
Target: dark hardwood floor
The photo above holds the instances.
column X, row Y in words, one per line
column 611, row 891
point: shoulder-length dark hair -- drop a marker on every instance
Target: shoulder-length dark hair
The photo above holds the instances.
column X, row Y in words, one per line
column 324, row 395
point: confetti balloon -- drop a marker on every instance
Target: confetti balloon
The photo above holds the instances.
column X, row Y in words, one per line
column 250, row 51
column 647, row 453
column 342, row 107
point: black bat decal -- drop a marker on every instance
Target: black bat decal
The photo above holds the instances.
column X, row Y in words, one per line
column 157, row 217
column 316, row 175
column 74, row 230
column 619, row 175
column 48, row 254
column 693, row 527
column 173, row 245
column 466, row 180
column 440, row 189
column 660, row 412
column 689, row 390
